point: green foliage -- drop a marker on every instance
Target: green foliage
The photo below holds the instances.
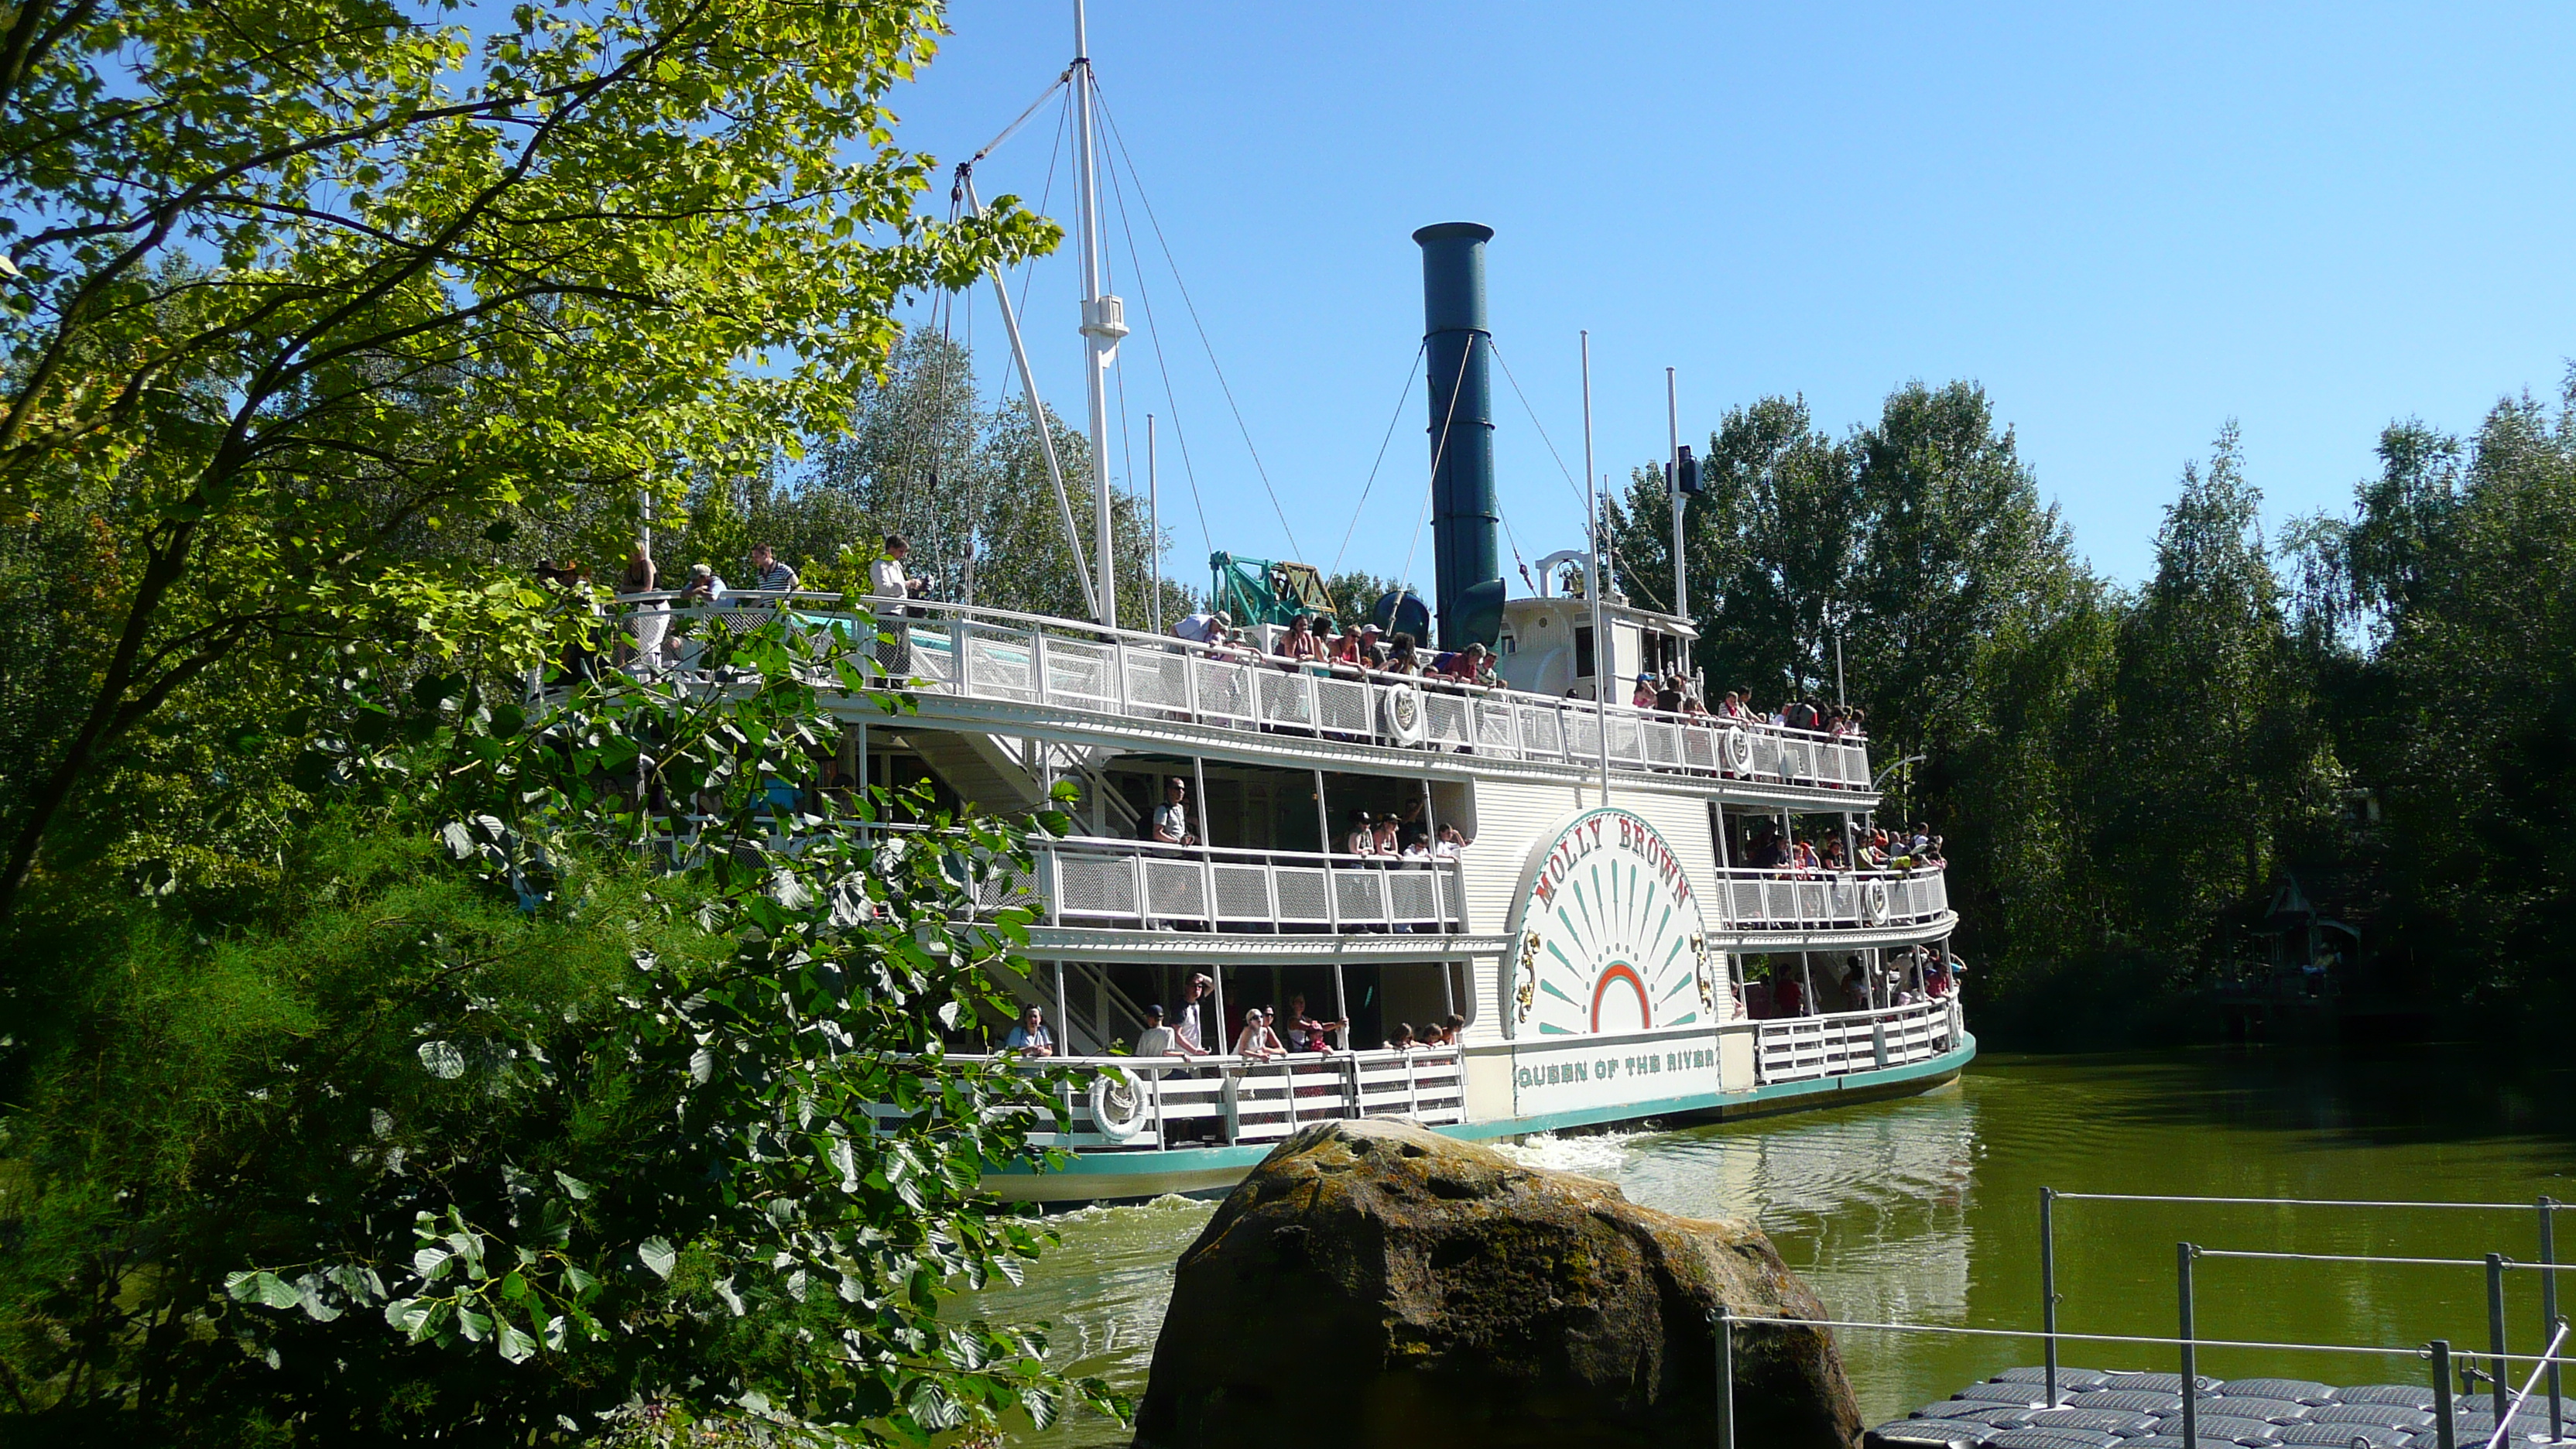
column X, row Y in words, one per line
column 305, row 294
column 2441, row 622
column 2123, row 778
column 503, row 1130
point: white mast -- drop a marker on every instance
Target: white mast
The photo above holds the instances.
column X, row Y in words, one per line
column 1153, row 529
column 1602, row 654
column 1104, row 317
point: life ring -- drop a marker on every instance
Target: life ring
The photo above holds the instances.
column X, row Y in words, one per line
column 1118, row 1104
column 1873, row 902
column 1406, row 721
column 1739, row 749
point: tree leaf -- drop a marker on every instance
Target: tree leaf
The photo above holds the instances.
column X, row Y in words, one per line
column 658, row 1255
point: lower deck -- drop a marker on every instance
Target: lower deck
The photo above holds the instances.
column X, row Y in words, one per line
column 1151, row 1126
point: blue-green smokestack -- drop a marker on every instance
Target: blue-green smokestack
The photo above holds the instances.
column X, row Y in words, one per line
column 1467, row 566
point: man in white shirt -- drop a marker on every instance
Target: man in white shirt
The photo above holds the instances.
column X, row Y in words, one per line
column 1190, row 1039
column 885, row 575
column 1196, row 627
column 886, row 581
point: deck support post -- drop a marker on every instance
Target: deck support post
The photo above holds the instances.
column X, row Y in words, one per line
column 2445, row 1434
column 2183, row 1253
column 2496, row 1369
column 1342, row 1012
column 2549, row 1308
column 2048, row 1289
column 1726, row 1377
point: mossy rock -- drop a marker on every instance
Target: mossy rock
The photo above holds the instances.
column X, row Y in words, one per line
column 1374, row 1283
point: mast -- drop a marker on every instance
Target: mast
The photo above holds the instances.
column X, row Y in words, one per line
column 1673, row 486
column 1602, row 654
column 1104, row 317
column 1153, row 530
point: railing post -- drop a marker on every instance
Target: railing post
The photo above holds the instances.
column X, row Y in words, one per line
column 2445, row 1435
column 1725, row 1377
column 2190, row 1357
column 2495, row 1332
column 2549, row 1307
column 2048, row 1289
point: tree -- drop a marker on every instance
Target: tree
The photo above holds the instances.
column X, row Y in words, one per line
column 303, row 289
column 485, row 1130
column 2221, row 756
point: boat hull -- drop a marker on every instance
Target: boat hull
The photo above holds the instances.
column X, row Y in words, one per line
column 1102, row 1177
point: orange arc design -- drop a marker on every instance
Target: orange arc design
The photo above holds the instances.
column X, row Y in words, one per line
column 1621, row 971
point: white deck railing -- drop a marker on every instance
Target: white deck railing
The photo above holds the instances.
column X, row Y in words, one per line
column 1066, row 665
column 1163, row 1102
column 1802, row 1048
column 1846, row 901
column 1126, row 883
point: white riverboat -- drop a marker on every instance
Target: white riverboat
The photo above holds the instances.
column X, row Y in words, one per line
column 1598, row 933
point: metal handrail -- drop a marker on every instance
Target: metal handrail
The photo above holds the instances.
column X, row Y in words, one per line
column 2548, row 1360
column 1041, row 627
column 2437, row 1352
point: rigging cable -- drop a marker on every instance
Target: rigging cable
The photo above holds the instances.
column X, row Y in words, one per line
column 1457, row 385
column 1571, row 485
column 1228, row 388
column 1162, row 362
column 1400, row 400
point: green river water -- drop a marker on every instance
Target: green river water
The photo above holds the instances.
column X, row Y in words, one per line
column 1926, row 1210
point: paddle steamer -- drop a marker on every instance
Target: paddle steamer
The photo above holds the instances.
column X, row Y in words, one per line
column 1611, row 954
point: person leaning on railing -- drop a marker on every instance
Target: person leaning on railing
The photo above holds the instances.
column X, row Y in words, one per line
column 1030, row 1038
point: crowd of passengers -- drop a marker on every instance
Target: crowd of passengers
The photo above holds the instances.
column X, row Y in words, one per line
column 1874, row 849
column 1317, row 642
column 1911, row 977
column 1265, row 1034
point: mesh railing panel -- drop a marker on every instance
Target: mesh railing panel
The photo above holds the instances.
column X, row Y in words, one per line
column 1094, row 886
column 1081, row 673
column 1156, row 681
column 1225, row 692
column 1540, row 736
column 1342, row 706
column 1361, row 895
column 1304, row 894
column 1664, row 744
column 1242, row 892
column 1582, row 734
column 1627, row 739
column 1494, row 728
column 1177, row 890
column 1699, row 748
column 999, row 666
column 1446, row 716
column 1284, row 700
column 1413, row 896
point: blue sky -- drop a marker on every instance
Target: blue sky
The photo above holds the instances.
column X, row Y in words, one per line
column 2129, row 225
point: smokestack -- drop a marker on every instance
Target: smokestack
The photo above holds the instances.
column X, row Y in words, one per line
column 1467, row 565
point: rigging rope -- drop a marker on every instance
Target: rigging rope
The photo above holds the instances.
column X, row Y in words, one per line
column 1008, row 131
column 1162, row 362
column 1457, row 385
column 1576, row 488
column 1219, row 368
column 1419, row 350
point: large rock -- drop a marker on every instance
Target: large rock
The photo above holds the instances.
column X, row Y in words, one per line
column 1373, row 1283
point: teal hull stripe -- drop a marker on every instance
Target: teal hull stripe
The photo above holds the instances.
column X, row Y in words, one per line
column 1777, row 1096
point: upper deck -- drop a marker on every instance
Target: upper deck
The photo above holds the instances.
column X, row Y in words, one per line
column 1032, row 676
